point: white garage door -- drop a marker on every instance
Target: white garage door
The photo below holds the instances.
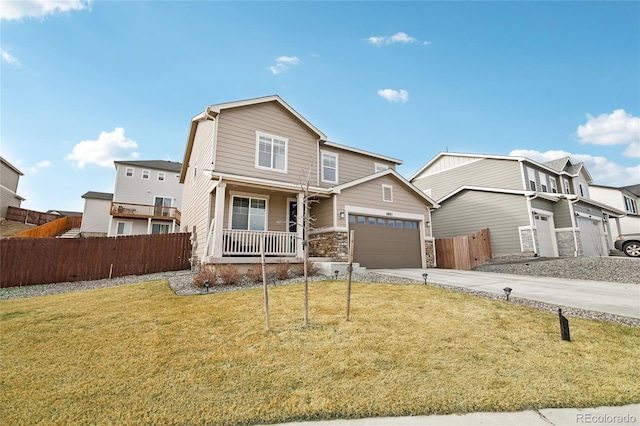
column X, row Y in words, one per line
column 545, row 236
column 590, row 236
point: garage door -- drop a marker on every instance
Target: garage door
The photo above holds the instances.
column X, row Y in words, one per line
column 590, row 237
column 545, row 236
column 386, row 243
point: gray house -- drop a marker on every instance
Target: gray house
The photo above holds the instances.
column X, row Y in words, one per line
column 9, row 177
column 247, row 165
column 146, row 200
column 529, row 207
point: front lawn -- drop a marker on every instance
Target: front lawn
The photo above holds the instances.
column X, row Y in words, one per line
column 139, row 354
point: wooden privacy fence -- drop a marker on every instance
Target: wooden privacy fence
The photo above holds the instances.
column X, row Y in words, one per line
column 30, row 261
column 52, row 228
column 29, row 216
column 463, row 252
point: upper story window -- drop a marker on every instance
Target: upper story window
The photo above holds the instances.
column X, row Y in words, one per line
column 160, row 176
column 129, row 172
column 554, row 185
column 387, row 193
column 583, row 190
column 544, row 185
column 271, row 152
column 531, row 175
column 380, row 167
column 567, row 188
column 329, row 167
column 630, row 205
column 146, row 174
column 195, row 173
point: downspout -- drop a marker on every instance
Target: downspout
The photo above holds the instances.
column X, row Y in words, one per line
column 574, row 225
column 433, row 240
column 532, row 223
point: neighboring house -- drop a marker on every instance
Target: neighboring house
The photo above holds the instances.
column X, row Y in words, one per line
column 9, row 177
column 97, row 214
column 63, row 213
column 246, row 168
column 529, row 207
column 625, row 198
column 146, row 200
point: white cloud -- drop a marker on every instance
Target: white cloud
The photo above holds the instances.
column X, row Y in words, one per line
column 396, row 38
column 41, row 165
column 17, row 10
column 109, row 147
column 282, row 64
column 617, row 128
column 8, row 58
column 602, row 170
column 394, row 95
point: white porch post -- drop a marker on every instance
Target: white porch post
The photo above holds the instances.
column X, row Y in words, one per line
column 219, row 216
column 148, row 226
column 300, row 226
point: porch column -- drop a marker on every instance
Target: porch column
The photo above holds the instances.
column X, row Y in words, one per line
column 300, row 226
column 221, row 190
column 149, row 226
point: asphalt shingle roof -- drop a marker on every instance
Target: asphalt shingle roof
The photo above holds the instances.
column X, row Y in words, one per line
column 171, row 166
column 98, row 195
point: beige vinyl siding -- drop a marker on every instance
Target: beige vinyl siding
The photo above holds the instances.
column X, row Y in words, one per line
column 96, row 215
column 562, row 214
column 471, row 211
column 8, row 198
column 322, row 212
column 610, row 196
column 489, row 172
column 196, row 214
column 236, row 140
column 447, row 162
column 352, row 165
column 8, row 177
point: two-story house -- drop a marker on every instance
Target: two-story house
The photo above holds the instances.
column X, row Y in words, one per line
column 146, row 200
column 625, row 198
column 248, row 166
column 529, row 207
column 9, row 177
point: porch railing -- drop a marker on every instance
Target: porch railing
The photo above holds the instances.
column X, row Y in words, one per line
column 247, row 243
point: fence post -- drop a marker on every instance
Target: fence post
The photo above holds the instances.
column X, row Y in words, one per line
column 564, row 326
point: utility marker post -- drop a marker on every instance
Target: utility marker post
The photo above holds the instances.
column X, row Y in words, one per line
column 350, row 270
column 264, row 284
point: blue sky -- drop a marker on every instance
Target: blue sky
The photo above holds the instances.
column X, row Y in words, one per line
column 86, row 83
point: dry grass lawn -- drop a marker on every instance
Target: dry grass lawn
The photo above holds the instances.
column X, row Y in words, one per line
column 139, row 354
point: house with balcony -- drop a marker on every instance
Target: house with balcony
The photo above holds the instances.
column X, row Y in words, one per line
column 9, row 178
column 625, row 198
column 251, row 166
column 146, row 200
column 531, row 208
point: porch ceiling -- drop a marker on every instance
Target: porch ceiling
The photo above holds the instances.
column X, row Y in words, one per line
column 268, row 185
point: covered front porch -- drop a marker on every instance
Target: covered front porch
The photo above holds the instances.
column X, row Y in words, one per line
column 247, row 216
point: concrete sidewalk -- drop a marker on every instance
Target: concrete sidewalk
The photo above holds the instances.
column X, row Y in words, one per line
column 623, row 415
column 600, row 296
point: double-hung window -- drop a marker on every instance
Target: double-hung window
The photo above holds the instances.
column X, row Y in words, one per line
column 329, row 167
column 387, row 193
column 249, row 213
column 271, row 152
column 554, row 186
column 630, row 205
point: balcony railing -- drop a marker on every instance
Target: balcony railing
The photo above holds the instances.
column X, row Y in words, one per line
column 144, row 211
column 247, row 243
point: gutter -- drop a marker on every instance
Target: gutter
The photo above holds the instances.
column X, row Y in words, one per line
column 575, row 225
column 532, row 222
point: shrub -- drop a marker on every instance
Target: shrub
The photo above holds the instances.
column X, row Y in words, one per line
column 255, row 273
column 282, row 270
column 229, row 274
column 312, row 269
column 205, row 274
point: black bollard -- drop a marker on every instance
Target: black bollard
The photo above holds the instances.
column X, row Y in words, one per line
column 564, row 326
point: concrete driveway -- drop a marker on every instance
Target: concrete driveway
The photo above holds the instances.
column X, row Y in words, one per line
column 608, row 297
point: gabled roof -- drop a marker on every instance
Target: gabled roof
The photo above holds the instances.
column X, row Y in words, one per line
column 557, row 166
column 338, row 188
column 98, row 195
column 634, row 189
column 171, row 166
column 64, row 212
column 361, row 151
column 11, row 166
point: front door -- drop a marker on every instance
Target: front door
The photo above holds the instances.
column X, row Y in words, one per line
column 293, row 216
